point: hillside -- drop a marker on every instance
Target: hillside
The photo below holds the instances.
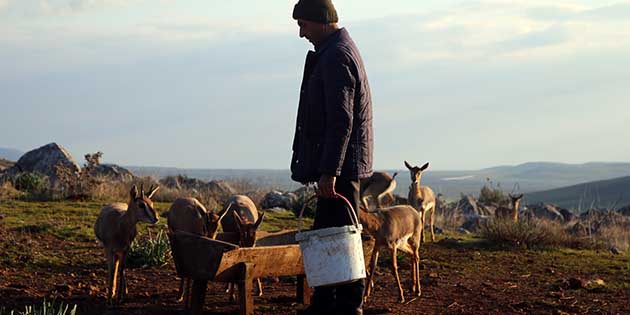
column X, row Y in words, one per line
column 602, row 194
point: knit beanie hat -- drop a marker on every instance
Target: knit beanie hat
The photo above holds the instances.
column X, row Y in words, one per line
column 320, row 11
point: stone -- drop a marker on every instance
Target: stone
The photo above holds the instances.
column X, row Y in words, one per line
column 278, row 199
column 113, row 172
column 43, row 161
column 576, row 283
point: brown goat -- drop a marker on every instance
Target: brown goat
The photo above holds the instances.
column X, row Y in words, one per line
column 421, row 198
column 189, row 215
column 115, row 228
column 244, row 220
column 394, row 228
column 507, row 213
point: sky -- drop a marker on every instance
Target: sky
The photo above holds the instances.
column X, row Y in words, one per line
column 214, row 84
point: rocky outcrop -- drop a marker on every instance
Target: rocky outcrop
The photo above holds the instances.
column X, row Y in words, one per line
column 216, row 187
column 544, row 211
column 278, row 199
column 113, row 172
column 43, row 160
column 625, row 211
column 468, row 206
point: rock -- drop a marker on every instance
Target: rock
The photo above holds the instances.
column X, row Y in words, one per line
column 438, row 230
column 279, row 199
column 468, row 206
column 625, row 211
column 544, row 211
column 220, row 187
column 579, row 229
column 615, row 250
column 216, row 187
column 576, row 283
column 113, row 172
column 474, row 222
column 43, row 161
column 566, row 214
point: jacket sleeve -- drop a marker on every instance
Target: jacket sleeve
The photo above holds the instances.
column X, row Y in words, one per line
column 339, row 88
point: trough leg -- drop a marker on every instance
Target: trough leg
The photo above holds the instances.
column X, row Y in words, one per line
column 245, row 287
column 303, row 290
column 198, row 296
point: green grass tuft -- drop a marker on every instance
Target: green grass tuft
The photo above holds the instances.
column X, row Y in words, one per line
column 150, row 251
column 47, row 308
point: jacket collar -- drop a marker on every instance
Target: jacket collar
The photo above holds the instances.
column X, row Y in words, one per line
column 331, row 40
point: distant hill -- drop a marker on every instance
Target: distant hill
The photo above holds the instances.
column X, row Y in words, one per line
column 528, row 177
column 10, row 154
column 600, row 194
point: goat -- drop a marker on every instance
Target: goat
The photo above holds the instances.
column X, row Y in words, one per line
column 421, row 198
column 244, row 220
column 115, row 228
column 189, row 215
column 378, row 185
column 397, row 227
column 507, row 213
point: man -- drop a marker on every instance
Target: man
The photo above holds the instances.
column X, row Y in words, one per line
column 333, row 136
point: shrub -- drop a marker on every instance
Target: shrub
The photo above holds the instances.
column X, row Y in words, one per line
column 32, row 183
column 491, row 195
column 78, row 186
column 8, row 191
column 150, row 251
column 527, row 233
column 47, row 308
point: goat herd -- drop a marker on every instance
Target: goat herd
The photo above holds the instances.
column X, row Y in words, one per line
column 399, row 227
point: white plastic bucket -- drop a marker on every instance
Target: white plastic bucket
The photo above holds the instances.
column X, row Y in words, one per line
column 332, row 255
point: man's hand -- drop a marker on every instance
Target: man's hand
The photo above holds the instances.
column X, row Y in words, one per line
column 326, row 186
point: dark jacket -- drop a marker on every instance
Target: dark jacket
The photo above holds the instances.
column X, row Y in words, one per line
column 333, row 134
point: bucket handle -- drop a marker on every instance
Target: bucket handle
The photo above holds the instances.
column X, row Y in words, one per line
column 351, row 213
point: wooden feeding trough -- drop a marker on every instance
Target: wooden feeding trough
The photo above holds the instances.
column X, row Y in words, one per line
column 204, row 259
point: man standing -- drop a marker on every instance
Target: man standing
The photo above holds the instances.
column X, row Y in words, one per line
column 333, row 136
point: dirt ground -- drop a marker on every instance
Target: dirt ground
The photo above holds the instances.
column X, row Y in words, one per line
column 458, row 277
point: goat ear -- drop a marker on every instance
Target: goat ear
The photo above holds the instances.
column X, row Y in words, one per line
column 260, row 218
column 425, row 166
column 510, row 195
column 394, row 176
column 224, row 212
column 153, row 190
column 141, row 189
column 519, row 196
column 134, row 192
column 408, row 166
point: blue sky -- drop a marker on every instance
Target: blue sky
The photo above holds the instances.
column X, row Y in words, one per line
column 213, row 84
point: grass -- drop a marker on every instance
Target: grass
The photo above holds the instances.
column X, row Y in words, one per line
column 526, row 233
column 47, row 308
column 150, row 251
